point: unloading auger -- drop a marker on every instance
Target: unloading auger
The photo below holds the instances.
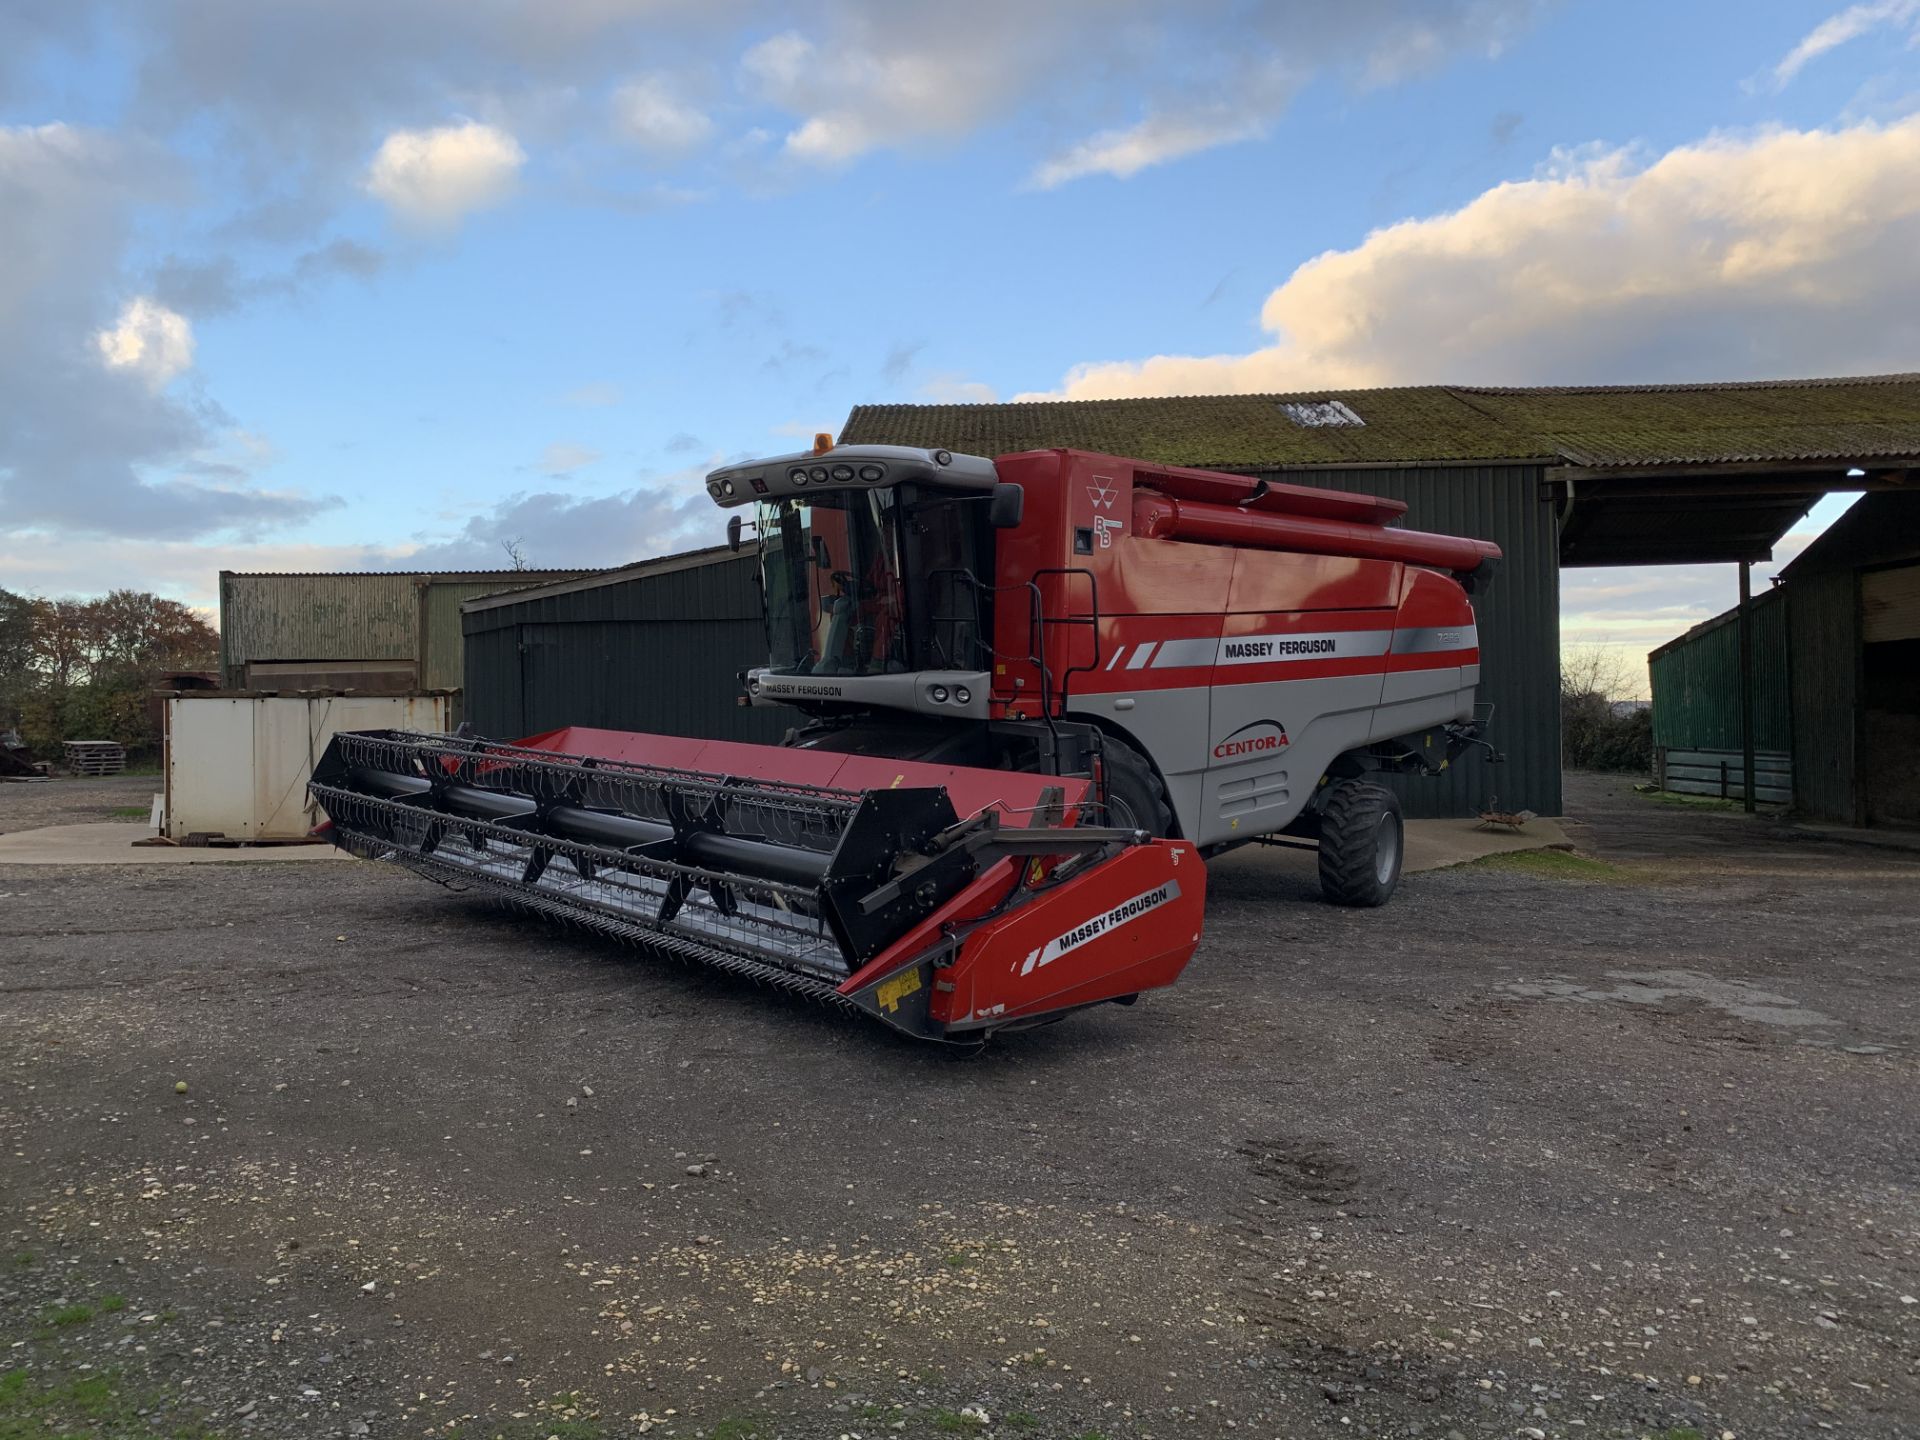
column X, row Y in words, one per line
column 861, row 886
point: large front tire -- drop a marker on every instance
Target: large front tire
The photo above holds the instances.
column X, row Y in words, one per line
column 1136, row 798
column 1362, row 843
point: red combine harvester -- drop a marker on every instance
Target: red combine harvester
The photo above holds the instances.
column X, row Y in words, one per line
column 1040, row 691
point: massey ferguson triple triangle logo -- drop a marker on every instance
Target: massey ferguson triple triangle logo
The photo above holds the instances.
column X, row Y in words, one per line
column 1103, row 490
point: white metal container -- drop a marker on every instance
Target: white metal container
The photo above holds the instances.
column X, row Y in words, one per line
column 238, row 765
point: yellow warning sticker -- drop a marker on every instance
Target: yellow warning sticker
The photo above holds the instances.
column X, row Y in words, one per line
column 891, row 992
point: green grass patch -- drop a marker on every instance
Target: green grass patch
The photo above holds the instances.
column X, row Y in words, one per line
column 112, row 1304
column 959, row 1260
column 952, row 1422
column 92, row 1406
column 23, row 1258
column 68, row 1315
column 1021, row 1420
column 1690, row 802
column 132, row 812
column 1681, row 1432
column 1554, row 865
column 737, row 1428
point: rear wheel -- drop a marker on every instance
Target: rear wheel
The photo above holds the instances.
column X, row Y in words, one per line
column 1361, row 844
column 1136, row 798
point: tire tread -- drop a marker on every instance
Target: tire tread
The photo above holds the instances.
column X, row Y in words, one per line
column 1347, row 827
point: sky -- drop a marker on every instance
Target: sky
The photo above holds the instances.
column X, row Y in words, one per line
column 342, row 284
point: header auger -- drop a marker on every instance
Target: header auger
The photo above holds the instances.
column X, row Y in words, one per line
column 1039, row 691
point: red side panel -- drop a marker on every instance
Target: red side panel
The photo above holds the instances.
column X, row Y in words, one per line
column 1127, row 925
column 971, row 790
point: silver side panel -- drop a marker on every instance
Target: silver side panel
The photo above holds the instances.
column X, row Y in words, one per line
column 1270, row 743
column 1242, row 760
column 1171, row 727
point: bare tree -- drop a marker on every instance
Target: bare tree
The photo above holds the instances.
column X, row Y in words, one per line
column 515, row 553
column 1600, row 671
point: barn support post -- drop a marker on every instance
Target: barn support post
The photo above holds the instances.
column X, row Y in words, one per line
column 1746, row 686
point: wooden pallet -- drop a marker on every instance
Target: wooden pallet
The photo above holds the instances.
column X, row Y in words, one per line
column 95, row 757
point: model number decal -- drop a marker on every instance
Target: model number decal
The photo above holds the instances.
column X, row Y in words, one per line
column 1102, row 924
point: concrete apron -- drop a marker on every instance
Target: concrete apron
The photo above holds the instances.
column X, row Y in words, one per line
column 110, row 842
column 1431, row 845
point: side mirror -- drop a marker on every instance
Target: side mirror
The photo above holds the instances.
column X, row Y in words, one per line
column 1008, row 505
column 733, row 532
column 821, row 559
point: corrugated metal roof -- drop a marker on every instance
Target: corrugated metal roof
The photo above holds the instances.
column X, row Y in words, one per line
column 1618, row 426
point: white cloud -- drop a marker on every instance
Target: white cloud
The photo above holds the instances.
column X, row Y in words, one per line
column 856, row 98
column 152, row 341
column 1783, row 253
column 92, row 440
column 1849, row 24
column 562, row 458
column 651, row 115
column 895, row 74
column 1153, row 141
column 438, row 176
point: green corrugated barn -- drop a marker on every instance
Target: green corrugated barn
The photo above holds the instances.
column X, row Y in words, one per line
column 1836, row 679
column 1558, row 477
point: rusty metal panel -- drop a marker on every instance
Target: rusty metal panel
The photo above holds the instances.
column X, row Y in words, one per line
column 209, row 762
column 239, row 766
column 315, row 617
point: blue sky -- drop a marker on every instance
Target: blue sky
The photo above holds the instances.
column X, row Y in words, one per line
column 377, row 283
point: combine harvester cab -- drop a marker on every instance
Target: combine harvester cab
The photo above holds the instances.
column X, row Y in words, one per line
column 850, row 880
column 1038, row 692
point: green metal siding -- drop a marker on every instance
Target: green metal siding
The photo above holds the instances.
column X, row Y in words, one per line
column 1696, row 683
column 442, row 655
column 659, row 653
column 1519, row 622
column 1823, row 626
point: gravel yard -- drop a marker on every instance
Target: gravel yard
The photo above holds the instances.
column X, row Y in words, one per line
column 1620, row 1144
